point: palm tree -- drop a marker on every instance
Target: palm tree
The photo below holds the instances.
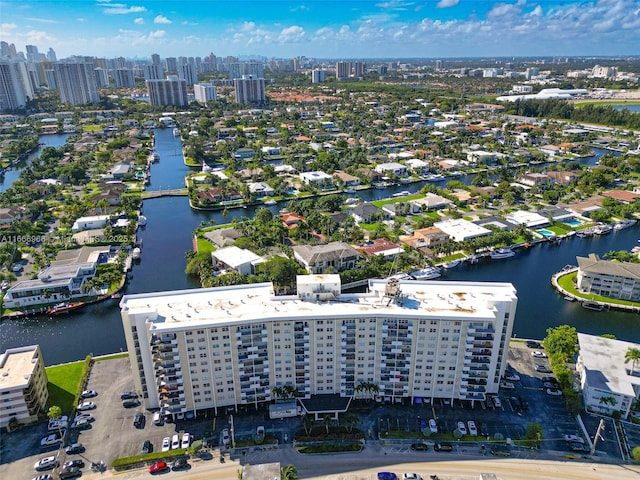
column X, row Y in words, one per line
column 289, row 472
column 326, row 420
column 632, row 355
column 607, row 400
column 307, row 423
column 350, row 420
column 277, row 392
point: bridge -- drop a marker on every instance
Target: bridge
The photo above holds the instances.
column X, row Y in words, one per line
column 176, row 192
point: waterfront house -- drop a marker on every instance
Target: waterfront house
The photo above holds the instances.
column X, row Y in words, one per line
column 608, row 278
column 240, row 260
column 392, row 168
column 380, row 247
column 318, row 258
column 608, row 383
column 345, row 179
column 261, row 189
column 89, row 223
column 431, row 201
column 365, row 213
column 460, row 230
column 425, row 239
column 528, row 219
column 535, row 179
column 623, row 196
column 317, row 179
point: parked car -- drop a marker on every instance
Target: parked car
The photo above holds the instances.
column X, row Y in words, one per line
column 542, row 369
column 515, row 404
column 462, row 427
column 81, row 424
column 166, row 444
column 549, row 379
column 128, row 395
column 133, row 402
column 387, row 476
column 507, row 386
column 52, row 439
column 578, row 447
column 523, row 404
column 88, row 394
column 58, row 423
column 226, row 439
column 538, row 354
column 74, row 448
column 158, row 419
column 138, row 420
column 175, row 442
column 433, row 425
column 512, row 377
column 443, row 447
column 549, row 385
column 496, row 402
column 70, row 472
column 46, row 463
column 411, row 476
column 180, row 463
column 472, row 428
column 419, row 447
column 186, row 440
column 554, row 391
column 158, row 467
column 73, row 463
column 147, row 447
column 500, row 450
column 86, row 416
column 533, row 344
column 573, row 438
column 86, row 406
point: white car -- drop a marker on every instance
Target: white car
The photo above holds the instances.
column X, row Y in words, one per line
column 166, row 444
column 226, row 439
column 573, row 438
column 175, row 442
column 52, row 439
column 496, row 402
column 186, row 440
column 512, row 377
column 433, row 425
column 56, row 423
column 538, row 354
column 46, row 463
column 507, row 386
column 86, row 406
column 472, row 428
column 554, row 391
column 157, row 419
column 411, row 476
column 462, row 427
column 89, row 394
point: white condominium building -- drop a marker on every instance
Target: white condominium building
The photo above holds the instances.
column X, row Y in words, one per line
column 228, row 346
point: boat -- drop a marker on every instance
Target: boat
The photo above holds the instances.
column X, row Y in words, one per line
column 500, row 253
column 426, row 273
column 65, row 307
column 142, row 220
column 569, row 298
column 135, row 253
column 176, row 132
column 349, row 190
column 436, row 177
column 351, row 201
column 585, row 232
column 270, row 202
column 404, row 193
column 593, row 306
column 621, row 225
column 154, row 157
column 602, row 229
column 452, row 264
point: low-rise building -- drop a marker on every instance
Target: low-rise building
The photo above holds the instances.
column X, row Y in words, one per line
column 233, row 258
column 609, row 383
column 318, row 258
column 425, row 239
column 460, row 230
column 607, row 278
column 23, row 385
column 89, row 223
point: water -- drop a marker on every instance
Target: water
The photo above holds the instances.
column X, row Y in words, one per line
column 97, row 329
column 13, row 173
column 631, row 108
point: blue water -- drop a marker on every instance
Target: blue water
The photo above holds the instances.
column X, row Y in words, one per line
column 573, row 222
column 631, row 108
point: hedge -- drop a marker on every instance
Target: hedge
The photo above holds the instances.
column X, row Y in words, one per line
column 147, row 457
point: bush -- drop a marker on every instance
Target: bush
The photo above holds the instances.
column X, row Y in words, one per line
column 331, row 447
column 635, row 453
column 148, row 457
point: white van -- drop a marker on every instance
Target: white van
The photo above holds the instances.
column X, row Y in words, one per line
column 157, row 419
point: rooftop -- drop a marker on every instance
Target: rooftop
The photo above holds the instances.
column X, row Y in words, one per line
column 252, row 302
column 16, row 366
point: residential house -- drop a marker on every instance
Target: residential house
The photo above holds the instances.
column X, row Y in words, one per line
column 380, row 247
column 623, row 196
column 261, row 189
column 608, row 278
column 431, row 201
column 365, row 213
column 534, row 179
column 240, row 260
column 9, row 214
column 90, row 223
column 460, row 230
column 392, row 168
column 563, row 177
column 425, row 239
column 317, row 179
column 608, row 382
column 244, row 154
column 528, row 219
column 291, row 220
column 345, row 179
column 336, row 256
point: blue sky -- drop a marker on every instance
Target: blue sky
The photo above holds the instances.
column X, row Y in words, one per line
column 324, row 29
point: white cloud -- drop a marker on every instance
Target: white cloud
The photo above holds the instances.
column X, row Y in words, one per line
column 447, row 3
column 42, row 20
column 291, row 34
column 8, row 26
column 247, row 26
column 161, row 19
column 120, row 8
column 395, row 5
column 139, row 21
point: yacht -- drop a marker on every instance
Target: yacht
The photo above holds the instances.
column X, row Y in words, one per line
column 351, row 201
column 593, row 306
column 602, row 229
column 404, row 193
column 452, row 264
column 176, row 132
column 270, row 202
column 436, row 177
column 621, row 225
column 142, row 220
column 426, row 273
column 501, row 253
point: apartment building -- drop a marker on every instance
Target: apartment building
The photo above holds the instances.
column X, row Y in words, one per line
column 249, row 90
column 228, row 346
column 172, row 91
column 607, row 278
column 23, row 385
column 76, row 82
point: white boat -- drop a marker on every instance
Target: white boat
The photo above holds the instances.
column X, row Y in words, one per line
column 270, row 202
column 436, row 177
column 142, row 220
column 452, row 264
column 176, row 132
column 135, row 253
column 602, row 229
column 501, row 253
column 426, row 273
column 621, row 225
column 349, row 190
column 351, row 201
column 404, row 193
column 154, row 157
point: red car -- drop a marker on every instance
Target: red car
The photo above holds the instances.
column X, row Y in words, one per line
column 158, row 467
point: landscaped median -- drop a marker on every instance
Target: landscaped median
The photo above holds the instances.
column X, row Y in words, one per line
column 141, row 460
column 329, row 439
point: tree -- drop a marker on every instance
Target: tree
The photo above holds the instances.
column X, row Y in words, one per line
column 562, row 340
column 289, row 472
column 632, row 355
column 307, row 423
column 326, row 420
column 533, row 435
column 636, row 454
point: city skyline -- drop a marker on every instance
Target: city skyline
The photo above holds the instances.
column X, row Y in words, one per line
column 325, row 29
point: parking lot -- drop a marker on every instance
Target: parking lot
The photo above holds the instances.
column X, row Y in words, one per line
column 112, row 435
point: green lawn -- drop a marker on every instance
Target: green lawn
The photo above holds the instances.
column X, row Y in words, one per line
column 205, row 245
column 568, row 283
column 63, row 384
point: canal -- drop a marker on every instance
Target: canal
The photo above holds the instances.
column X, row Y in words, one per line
column 167, row 236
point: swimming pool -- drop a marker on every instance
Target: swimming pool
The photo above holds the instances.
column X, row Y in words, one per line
column 573, row 222
column 545, row 232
